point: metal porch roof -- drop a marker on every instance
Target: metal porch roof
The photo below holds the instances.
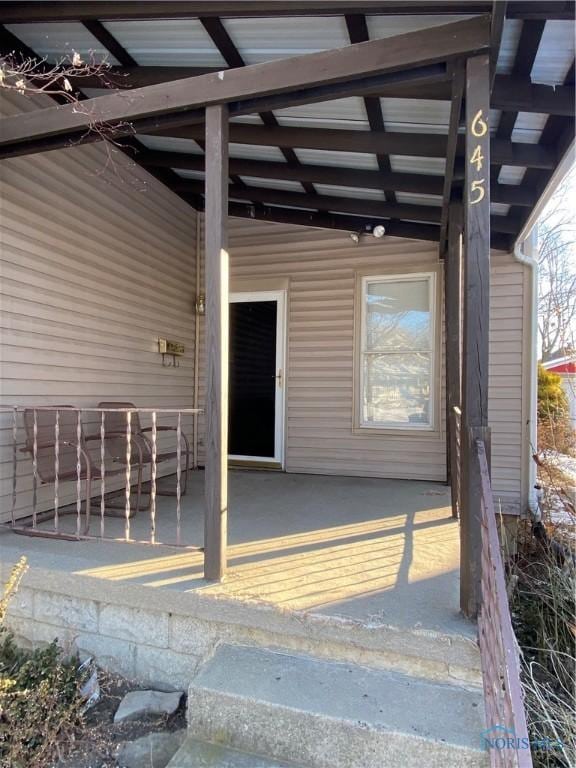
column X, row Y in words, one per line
column 536, row 47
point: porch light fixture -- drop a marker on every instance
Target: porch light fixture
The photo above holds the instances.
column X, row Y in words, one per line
column 378, row 231
column 200, row 304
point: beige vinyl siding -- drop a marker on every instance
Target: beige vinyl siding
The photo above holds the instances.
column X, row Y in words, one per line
column 509, row 324
column 319, row 267
column 97, row 262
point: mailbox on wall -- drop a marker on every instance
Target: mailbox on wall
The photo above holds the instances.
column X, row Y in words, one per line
column 170, row 349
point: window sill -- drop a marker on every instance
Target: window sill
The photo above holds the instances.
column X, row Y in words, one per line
column 425, row 433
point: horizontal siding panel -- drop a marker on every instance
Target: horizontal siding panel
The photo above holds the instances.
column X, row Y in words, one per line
column 321, row 267
column 506, row 394
column 98, row 261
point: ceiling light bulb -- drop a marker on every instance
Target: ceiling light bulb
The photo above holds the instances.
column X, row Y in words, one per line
column 379, row 231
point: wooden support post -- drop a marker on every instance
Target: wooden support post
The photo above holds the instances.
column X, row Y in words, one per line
column 476, row 314
column 217, row 321
column 453, row 333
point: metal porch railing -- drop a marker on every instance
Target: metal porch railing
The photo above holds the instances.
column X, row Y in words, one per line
column 499, row 652
column 456, row 459
column 91, row 464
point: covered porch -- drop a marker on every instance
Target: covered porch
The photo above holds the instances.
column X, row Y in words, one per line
column 374, row 571
column 374, row 551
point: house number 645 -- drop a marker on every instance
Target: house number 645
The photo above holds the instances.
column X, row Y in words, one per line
column 477, row 187
column 479, row 126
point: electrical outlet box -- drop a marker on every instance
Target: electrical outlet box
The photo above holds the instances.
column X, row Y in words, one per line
column 170, row 347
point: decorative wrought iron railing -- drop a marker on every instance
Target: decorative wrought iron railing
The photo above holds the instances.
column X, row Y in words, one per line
column 118, row 460
column 456, row 459
column 499, row 652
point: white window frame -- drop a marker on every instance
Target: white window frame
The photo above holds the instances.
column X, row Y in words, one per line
column 366, row 280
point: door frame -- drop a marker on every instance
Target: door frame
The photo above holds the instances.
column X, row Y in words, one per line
column 279, row 296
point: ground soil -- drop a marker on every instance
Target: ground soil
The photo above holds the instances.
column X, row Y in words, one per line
column 97, row 744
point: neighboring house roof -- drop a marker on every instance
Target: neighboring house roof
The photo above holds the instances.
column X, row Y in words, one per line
column 301, row 164
column 561, row 365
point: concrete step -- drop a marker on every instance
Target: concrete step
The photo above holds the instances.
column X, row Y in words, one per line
column 202, row 754
column 333, row 715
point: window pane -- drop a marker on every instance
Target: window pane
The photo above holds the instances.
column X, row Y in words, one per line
column 398, row 315
column 397, row 389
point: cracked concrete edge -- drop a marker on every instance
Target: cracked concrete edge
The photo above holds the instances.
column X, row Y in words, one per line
column 460, row 653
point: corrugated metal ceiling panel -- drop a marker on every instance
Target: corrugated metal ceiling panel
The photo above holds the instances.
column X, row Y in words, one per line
column 167, row 144
column 292, row 207
column 508, row 46
column 252, row 119
column 187, row 174
column 320, row 123
column 528, row 127
column 253, row 152
column 57, row 41
column 264, row 39
column 167, row 42
column 511, row 174
column 339, row 113
column 337, row 159
column 290, row 186
column 493, row 121
column 409, row 164
column 418, row 115
column 356, row 192
column 388, row 26
column 555, row 53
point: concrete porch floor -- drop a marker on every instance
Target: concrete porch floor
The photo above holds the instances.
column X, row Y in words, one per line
column 372, row 550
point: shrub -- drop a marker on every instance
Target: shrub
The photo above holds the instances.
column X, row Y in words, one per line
column 40, row 706
column 554, row 428
column 543, row 609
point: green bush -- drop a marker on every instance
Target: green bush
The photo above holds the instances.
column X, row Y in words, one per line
column 40, row 706
column 552, row 401
column 554, row 427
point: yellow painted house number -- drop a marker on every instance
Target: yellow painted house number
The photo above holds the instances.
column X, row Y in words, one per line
column 478, row 128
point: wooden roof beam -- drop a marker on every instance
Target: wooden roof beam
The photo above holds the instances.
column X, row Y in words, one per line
column 68, row 10
column 528, row 44
column 371, row 142
column 222, row 40
column 358, row 33
column 41, row 11
column 320, row 174
column 334, row 204
column 181, row 98
column 426, row 213
column 458, row 79
column 417, row 183
column 512, row 93
column 359, row 224
column 325, row 220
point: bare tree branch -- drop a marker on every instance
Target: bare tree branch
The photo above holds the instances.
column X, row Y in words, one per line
column 557, row 273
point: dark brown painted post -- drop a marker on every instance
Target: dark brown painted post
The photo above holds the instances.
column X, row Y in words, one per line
column 476, row 314
column 453, row 323
column 216, row 250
